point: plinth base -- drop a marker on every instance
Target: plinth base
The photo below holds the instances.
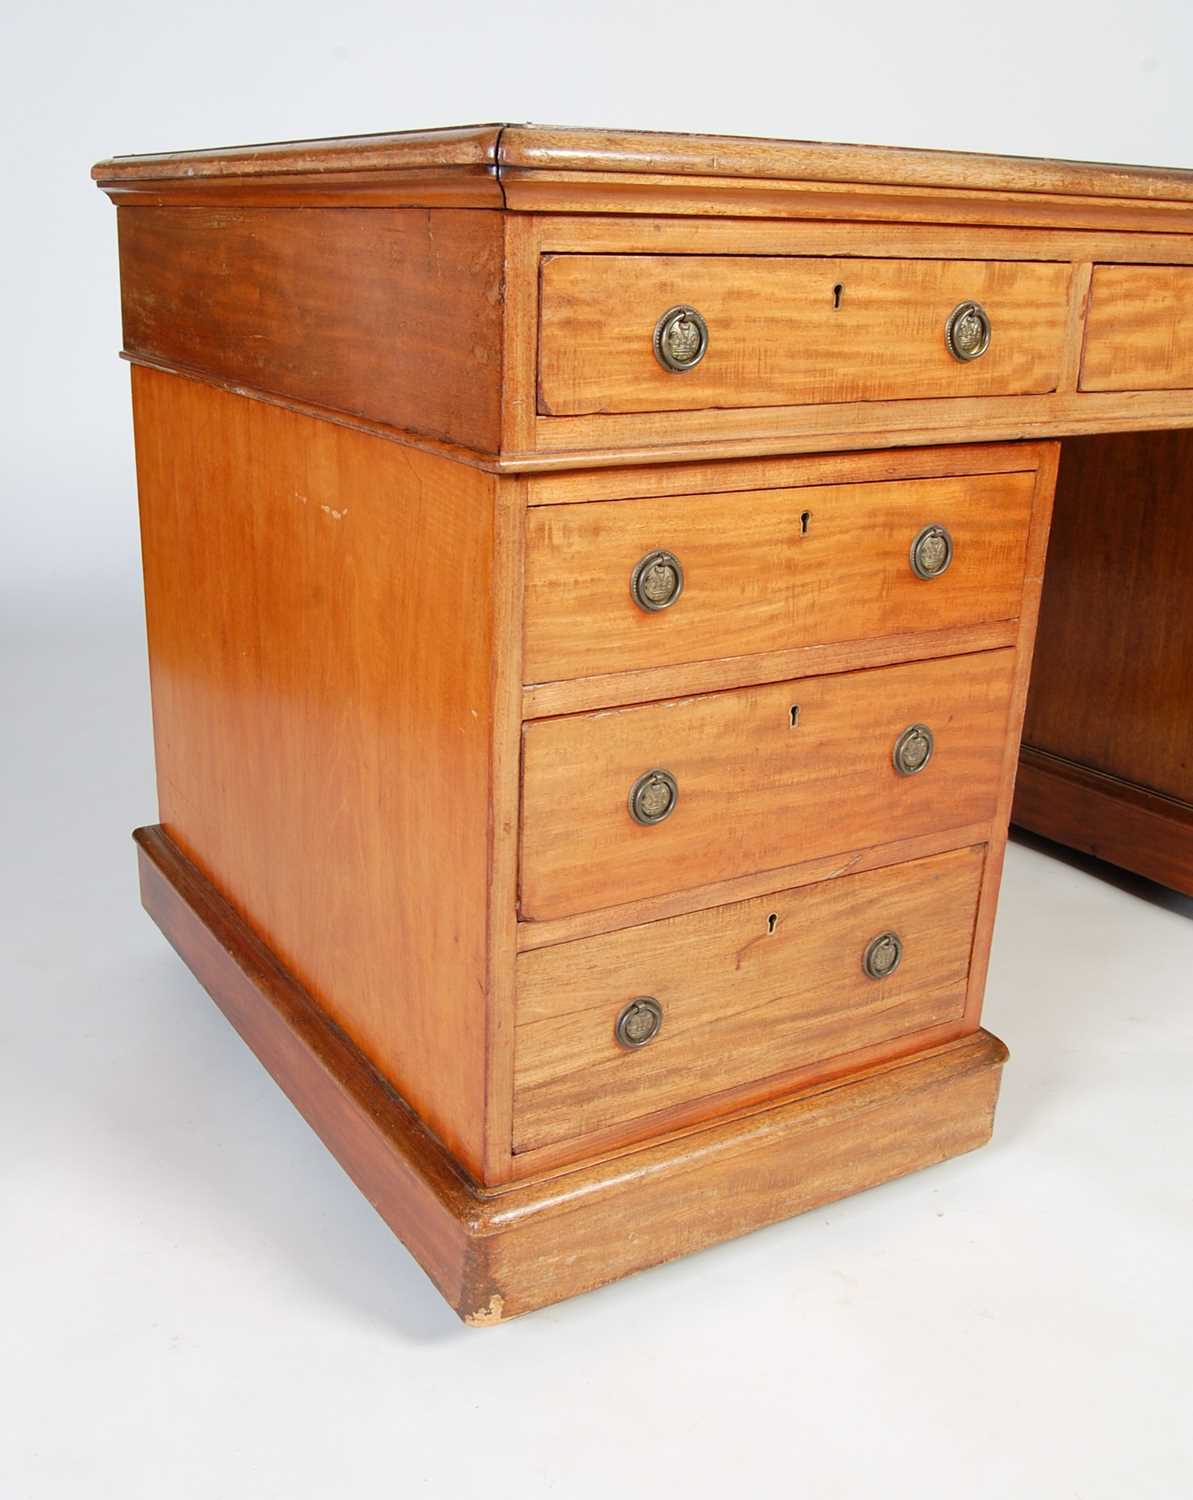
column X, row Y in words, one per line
column 496, row 1253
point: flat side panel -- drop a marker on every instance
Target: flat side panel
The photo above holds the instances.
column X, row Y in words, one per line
column 768, row 570
column 388, row 314
column 1112, row 682
column 1139, row 331
column 323, row 712
column 766, row 777
column 784, row 332
column 746, row 991
column 384, row 1150
column 1033, row 575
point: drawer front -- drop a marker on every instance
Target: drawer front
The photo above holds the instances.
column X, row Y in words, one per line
column 767, row 570
column 745, row 991
column 791, row 331
column 764, row 777
column 1139, row 329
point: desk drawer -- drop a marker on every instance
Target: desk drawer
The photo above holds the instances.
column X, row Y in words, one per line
column 766, row 570
column 744, row 992
column 1139, row 329
column 763, row 777
column 790, row 331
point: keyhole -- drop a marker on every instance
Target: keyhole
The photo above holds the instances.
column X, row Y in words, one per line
column 838, row 293
column 803, row 522
column 795, row 715
column 772, row 921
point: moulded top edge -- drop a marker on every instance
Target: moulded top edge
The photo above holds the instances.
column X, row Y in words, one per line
column 517, row 149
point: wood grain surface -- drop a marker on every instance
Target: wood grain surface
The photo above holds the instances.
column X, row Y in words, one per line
column 403, row 150
column 676, row 196
column 1112, row 682
column 380, row 1142
column 413, row 442
column 1108, row 754
column 389, row 314
column 497, row 1255
column 1106, row 817
column 684, row 436
column 427, row 168
column 1033, row 578
column 621, row 1216
column 635, row 151
column 317, row 226
column 780, row 333
column 727, row 476
column 759, row 784
column 767, row 570
column 645, row 684
column 287, row 287
column 744, row 887
column 748, row 990
column 1139, row 331
column 679, row 154
column 324, row 716
column 830, row 238
column 531, row 168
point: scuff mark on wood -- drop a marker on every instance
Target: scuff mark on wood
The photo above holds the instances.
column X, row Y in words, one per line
column 485, row 1317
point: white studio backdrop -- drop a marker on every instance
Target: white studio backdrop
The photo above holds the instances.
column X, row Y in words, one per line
column 193, row 1300
column 1096, row 79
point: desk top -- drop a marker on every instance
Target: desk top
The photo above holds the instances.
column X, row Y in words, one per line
column 538, row 314
column 538, row 167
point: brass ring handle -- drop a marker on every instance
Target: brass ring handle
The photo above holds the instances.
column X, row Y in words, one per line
column 639, row 1022
column 913, row 749
column 657, row 581
column 653, row 797
column 931, row 552
column 680, row 339
column 967, row 332
column 883, row 955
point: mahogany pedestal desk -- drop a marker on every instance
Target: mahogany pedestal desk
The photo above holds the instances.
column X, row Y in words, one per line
column 591, row 585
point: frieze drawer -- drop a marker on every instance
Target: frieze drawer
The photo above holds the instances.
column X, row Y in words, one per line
column 643, row 333
column 1139, row 329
